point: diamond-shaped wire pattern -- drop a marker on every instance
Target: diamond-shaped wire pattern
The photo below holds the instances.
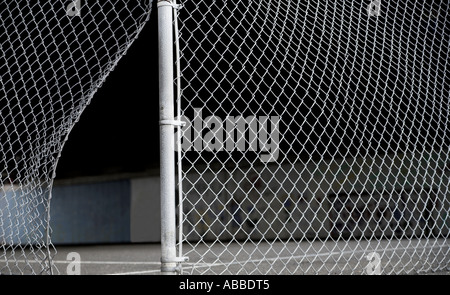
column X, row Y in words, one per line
column 54, row 55
column 349, row 102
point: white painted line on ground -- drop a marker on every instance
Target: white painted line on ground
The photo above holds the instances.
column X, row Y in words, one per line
column 135, row 272
column 112, row 262
column 92, row 262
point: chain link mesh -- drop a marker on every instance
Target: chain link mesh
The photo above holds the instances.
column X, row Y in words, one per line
column 340, row 162
column 54, row 55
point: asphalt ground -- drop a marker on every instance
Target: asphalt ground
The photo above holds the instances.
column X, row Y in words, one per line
column 343, row 257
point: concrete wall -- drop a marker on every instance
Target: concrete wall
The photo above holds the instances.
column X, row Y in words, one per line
column 307, row 201
column 145, row 213
column 389, row 194
column 106, row 212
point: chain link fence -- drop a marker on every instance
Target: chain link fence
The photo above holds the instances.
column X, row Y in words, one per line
column 54, row 55
column 316, row 137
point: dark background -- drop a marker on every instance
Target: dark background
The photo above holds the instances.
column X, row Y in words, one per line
column 354, row 107
column 118, row 131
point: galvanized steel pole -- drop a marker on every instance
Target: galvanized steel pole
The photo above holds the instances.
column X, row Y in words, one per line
column 167, row 143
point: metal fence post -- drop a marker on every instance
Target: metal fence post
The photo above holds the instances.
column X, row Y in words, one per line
column 167, row 143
